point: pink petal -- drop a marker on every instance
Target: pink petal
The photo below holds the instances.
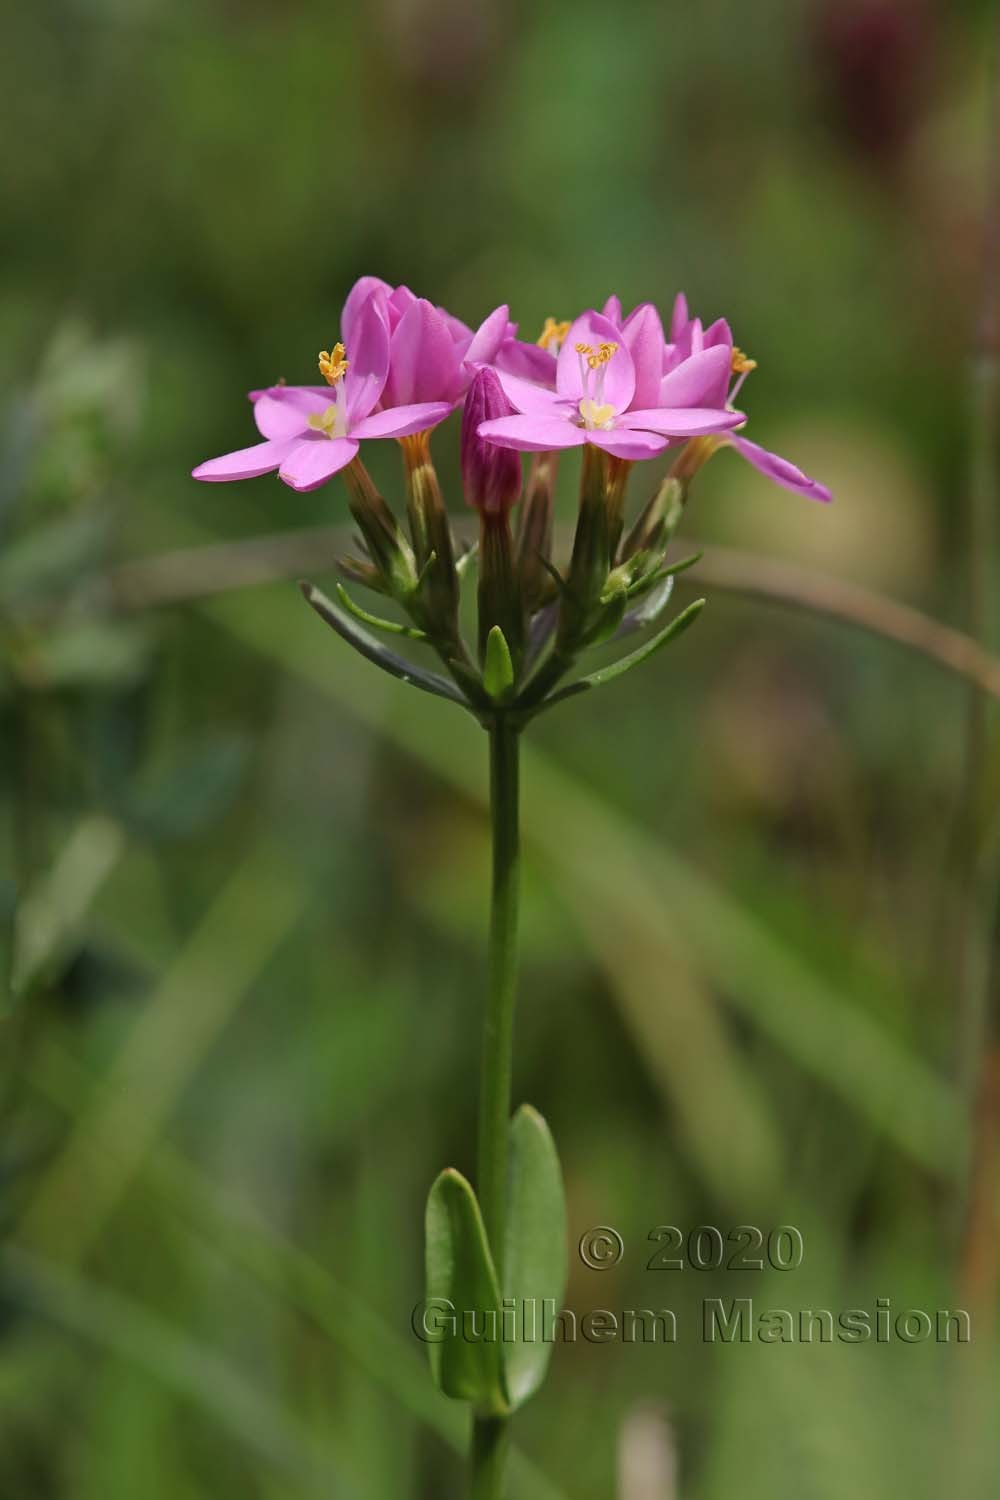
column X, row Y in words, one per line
column 679, row 318
column 780, row 470
column 368, row 360
column 702, row 380
column 718, row 333
column 642, row 334
column 399, row 302
column 527, row 395
column 612, row 310
column 488, row 337
column 278, row 414
column 682, row 421
column 619, row 372
column 532, row 434
column 624, row 443
column 423, row 362
column 690, row 340
column 400, row 421
column 246, row 463
column 311, row 464
column 361, row 292
column 527, row 361
column 461, row 332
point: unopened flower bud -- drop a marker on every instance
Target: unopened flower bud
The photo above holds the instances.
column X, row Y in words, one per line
column 491, row 476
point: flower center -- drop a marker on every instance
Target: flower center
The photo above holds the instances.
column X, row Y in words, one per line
column 595, row 416
column 593, row 369
column 333, row 365
column 552, row 335
column 330, row 422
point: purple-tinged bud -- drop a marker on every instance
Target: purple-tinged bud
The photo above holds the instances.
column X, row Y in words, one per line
column 491, row 476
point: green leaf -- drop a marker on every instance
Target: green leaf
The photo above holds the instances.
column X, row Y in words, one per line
column 498, row 669
column 467, row 1361
column 536, row 1258
column 649, row 581
column 391, row 627
column 367, row 646
column 618, row 668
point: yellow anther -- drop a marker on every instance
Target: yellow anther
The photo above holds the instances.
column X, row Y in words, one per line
column 584, row 348
column 599, row 357
column 741, row 363
column 332, row 365
column 553, row 334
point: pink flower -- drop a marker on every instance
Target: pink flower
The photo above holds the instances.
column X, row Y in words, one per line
column 688, row 338
column 311, row 432
column 610, row 391
column 432, row 355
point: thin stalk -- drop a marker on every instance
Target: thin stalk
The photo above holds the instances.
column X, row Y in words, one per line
column 490, row 1434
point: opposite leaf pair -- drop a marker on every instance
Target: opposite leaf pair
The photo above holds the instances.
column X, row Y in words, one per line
column 475, row 1360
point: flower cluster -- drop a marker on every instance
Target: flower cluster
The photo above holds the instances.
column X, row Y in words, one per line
column 622, row 388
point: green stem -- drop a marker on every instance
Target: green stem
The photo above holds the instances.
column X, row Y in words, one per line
column 490, row 1445
column 490, row 1434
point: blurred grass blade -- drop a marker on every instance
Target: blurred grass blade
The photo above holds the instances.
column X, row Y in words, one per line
column 48, row 919
column 115, row 1322
column 249, row 918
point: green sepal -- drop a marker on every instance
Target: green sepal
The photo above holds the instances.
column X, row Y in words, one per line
column 367, row 646
column 625, row 664
column 612, row 612
column 462, row 1281
column 424, row 571
column 498, row 668
column 535, row 1249
column 391, row 627
column 561, row 585
column 361, row 572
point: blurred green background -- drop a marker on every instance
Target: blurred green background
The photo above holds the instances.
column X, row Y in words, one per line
column 243, row 1032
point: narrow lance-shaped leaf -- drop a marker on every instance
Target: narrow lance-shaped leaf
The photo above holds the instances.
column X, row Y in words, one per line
column 391, row 627
column 642, row 653
column 373, row 650
column 462, row 1309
